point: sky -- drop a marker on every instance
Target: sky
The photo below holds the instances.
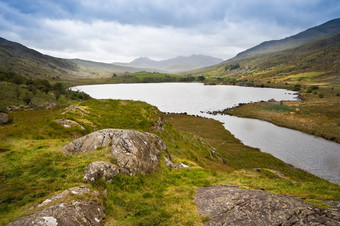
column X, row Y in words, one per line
column 122, row 30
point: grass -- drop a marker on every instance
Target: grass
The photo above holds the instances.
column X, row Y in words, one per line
column 32, row 167
column 313, row 115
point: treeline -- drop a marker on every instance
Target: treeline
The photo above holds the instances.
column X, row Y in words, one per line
column 42, row 85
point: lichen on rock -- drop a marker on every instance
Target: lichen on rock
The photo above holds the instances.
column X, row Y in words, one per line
column 100, row 169
column 136, row 152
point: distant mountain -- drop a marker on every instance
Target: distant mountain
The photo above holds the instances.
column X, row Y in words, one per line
column 17, row 58
column 313, row 34
column 108, row 67
column 174, row 65
column 20, row 59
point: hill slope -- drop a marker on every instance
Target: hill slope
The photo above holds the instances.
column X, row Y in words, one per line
column 316, row 33
column 17, row 58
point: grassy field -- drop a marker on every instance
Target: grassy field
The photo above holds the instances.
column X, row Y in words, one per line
column 318, row 113
column 33, row 168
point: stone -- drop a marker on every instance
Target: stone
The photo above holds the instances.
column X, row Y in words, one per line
column 50, row 105
column 231, row 205
column 79, row 190
column 69, row 123
column 4, row 119
column 136, row 152
column 64, row 209
column 76, row 109
column 100, row 169
column 75, row 212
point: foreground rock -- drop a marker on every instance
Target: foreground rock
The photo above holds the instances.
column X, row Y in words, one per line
column 74, row 213
column 100, row 169
column 136, row 152
column 64, row 212
column 231, row 205
column 4, row 118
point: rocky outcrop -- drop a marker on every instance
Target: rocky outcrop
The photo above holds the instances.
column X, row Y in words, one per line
column 231, row 205
column 100, row 169
column 72, row 213
column 170, row 164
column 65, row 212
column 79, row 190
column 4, row 119
column 76, row 109
column 69, row 123
column 136, row 152
column 50, row 105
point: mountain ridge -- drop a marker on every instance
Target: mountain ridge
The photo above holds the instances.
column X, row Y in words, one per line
column 319, row 32
column 176, row 64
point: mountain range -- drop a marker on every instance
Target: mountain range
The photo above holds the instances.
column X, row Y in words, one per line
column 315, row 48
column 174, row 65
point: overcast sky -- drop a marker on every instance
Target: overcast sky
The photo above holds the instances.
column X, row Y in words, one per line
column 122, row 30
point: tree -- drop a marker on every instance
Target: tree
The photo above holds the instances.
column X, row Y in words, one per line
column 201, row 78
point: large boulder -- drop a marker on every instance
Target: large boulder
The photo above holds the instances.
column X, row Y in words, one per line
column 100, row 169
column 231, row 205
column 136, row 152
column 4, row 118
column 64, row 209
column 70, row 213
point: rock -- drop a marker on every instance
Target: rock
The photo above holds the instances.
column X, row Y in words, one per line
column 100, row 169
column 158, row 125
column 170, row 164
column 65, row 212
column 76, row 109
column 79, row 190
column 69, row 123
column 136, row 152
column 4, row 118
column 50, row 105
column 231, row 205
column 72, row 213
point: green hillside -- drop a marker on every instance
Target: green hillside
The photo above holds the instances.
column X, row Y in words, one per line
column 315, row 62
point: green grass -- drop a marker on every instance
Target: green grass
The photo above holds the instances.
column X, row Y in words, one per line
column 32, row 167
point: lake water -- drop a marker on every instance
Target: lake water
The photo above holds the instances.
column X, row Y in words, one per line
column 315, row 155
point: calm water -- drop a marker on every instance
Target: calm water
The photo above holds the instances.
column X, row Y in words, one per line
column 315, row 155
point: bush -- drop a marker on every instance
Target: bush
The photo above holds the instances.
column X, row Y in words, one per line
column 232, row 67
column 297, row 87
column 312, row 88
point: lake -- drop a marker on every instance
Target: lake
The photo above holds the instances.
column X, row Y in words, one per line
column 313, row 154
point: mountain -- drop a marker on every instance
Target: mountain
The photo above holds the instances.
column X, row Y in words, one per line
column 313, row 34
column 314, row 62
column 108, row 67
column 174, row 65
column 17, row 58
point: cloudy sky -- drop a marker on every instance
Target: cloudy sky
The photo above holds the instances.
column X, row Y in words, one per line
column 122, row 30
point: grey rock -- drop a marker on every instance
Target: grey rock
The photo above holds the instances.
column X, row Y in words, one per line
column 231, row 205
column 69, row 123
column 58, row 210
column 136, row 152
column 50, row 105
column 4, row 118
column 79, row 190
column 100, row 169
column 71, row 213
column 170, row 164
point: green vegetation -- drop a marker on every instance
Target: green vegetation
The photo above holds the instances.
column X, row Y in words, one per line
column 316, row 114
column 33, row 168
column 16, row 89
